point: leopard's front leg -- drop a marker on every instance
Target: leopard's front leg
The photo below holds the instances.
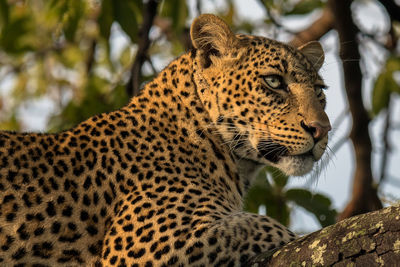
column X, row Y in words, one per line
column 235, row 238
column 172, row 239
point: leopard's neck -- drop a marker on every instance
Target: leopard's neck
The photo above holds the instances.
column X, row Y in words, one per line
column 175, row 90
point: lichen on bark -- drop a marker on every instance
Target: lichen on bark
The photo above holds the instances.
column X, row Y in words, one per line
column 371, row 239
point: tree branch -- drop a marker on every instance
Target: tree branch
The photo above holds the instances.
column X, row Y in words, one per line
column 316, row 30
column 364, row 196
column 150, row 11
column 367, row 240
column 199, row 7
column 273, row 19
column 90, row 59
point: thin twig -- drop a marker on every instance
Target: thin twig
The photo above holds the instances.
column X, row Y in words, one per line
column 386, row 145
column 274, row 19
column 339, row 120
column 339, row 143
column 316, row 30
column 198, row 7
column 153, row 68
column 91, row 56
column 150, row 11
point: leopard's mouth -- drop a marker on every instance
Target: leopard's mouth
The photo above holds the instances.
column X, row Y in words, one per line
column 274, row 152
column 278, row 156
column 271, row 151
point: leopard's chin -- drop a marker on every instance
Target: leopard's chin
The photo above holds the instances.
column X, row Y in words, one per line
column 295, row 165
column 278, row 156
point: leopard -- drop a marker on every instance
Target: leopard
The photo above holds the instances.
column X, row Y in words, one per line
column 161, row 181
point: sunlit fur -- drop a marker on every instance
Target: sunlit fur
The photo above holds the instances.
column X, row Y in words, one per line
column 246, row 112
column 161, row 181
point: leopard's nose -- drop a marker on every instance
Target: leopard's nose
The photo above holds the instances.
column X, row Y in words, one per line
column 316, row 129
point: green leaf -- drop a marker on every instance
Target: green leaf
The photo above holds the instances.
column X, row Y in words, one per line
column 385, row 85
column 97, row 98
column 245, row 26
column 40, row 79
column 258, row 194
column 124, row 14
column 392, row 66
column 305, row 6
column 229, row 14
column 106, row 18
column 269, row 4
column 263, row 193
column 70, row 56
column 19, row 91
column 75, row 12
column 18, row 36
column 279, row 210
column 278, row 177
column 69, row 13
column 119, row 97
column 4, row 14
column 317, row 204
column 126, row 57
column 177, row 10
column 381, row 93
column 12, row 124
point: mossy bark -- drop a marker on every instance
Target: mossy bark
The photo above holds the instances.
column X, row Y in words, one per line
column 371, row 239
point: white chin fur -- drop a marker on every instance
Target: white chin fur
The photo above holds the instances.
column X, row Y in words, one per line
column 295, row 165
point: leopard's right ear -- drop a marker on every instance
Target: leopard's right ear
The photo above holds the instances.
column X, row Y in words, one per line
column 314, row 53
column 212, row 37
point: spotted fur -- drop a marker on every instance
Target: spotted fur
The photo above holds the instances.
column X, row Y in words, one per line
column 160, row 182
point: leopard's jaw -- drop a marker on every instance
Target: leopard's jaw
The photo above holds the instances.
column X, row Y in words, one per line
column 295, row 165
column 299, row 165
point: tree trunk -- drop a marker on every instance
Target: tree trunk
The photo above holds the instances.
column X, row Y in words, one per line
column 364, row 197
column 371, row 239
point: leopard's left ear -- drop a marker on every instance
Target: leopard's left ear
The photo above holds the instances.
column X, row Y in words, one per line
column 314, row 53
column 212, row 37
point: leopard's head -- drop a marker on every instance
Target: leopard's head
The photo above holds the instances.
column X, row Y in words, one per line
column 265, row 98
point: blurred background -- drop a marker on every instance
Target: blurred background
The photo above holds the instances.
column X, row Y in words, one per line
column 62, row 61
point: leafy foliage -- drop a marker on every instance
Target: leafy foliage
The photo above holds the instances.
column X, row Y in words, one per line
column 177, row 12
column 385, row 85
column 270, row 190
column 319, row 205
column 61, row 49
column 294, row 7
column 126, row 13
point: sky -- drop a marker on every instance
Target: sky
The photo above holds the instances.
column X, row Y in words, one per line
column 335, row 180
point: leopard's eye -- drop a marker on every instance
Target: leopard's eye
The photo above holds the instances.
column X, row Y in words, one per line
column 319, row 88
column 274, row 81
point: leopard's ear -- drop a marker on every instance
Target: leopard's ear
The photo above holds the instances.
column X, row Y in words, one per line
column 314, row 53
column 212, row 37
